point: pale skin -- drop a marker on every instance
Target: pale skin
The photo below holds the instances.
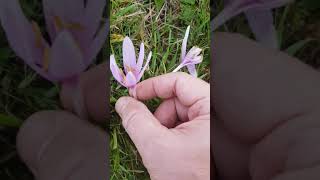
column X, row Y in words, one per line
column 252, row 124
column 174, row 142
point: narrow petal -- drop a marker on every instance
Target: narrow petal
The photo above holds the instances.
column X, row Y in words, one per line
column 184, row 44
column 116, row 72
column 69, row 11
column 225, row 15
column 195, row 60
column 130, row 80
column 145, row 67
column 192, row 70
column 97, row 44
column 93, row 15
column 261, row 23
column 18, row 30
column 66, row 59
column 235, row 7
column 140, row 59
column 129, row 55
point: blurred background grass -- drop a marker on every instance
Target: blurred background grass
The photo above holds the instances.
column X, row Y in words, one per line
column 161, row 25
column 297, row 25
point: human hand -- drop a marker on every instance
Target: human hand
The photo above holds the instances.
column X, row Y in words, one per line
column 59, row 145
column 267, row 113
column 174, row 142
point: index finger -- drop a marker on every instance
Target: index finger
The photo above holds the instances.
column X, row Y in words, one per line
column 186, row 88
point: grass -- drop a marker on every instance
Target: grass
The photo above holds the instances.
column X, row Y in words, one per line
column 161, row 26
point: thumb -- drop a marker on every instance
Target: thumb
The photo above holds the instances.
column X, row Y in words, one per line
column 138, row 121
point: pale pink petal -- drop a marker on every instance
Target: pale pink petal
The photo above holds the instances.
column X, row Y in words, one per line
column 140, row 59
column 116, row 72
column 97, row 44
column 184, row 44
column 93, row 15
column 261, row 23
column 145, row 67
column 129, row 55
column 66, row 59
column 18, row 30
column 69, row 11
column 235, row 7
column 192, row 70
column 130, row 80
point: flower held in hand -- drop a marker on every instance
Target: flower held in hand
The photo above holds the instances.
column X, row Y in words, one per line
column 132, row 67
column 191, row 58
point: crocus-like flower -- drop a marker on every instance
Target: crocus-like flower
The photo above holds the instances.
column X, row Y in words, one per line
column 132, row 67
column 191, row 58
column 72, row 26
column 259, row 15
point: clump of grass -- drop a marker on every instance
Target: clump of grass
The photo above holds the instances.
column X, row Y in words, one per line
column 162, row 29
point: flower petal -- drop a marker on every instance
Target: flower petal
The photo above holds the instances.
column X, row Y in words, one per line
column 93, row 15
column 192, row 70
column 129, row 55
column 236, row 7
column 69, row 11
column 130, row 80
column 261, row 23
column 145, row 67
column 140, row 59
column 226, row 14
column 97, row 44
column 116, row 72
column 18, row 30
column 66, row 59
column 184, row 44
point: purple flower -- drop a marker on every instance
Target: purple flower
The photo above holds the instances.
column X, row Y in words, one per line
column 191, row 58
column 132, row 67
column 74, row 37
column 259, row 15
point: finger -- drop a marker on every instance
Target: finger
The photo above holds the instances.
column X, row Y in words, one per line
column 311, row 173
column 186, row 88
column 170, row 112
column 257, row 89
column 95, row 92
column 294, row 146
column 140, row 124
column 57, row 145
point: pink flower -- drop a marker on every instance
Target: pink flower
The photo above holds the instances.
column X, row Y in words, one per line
column 191, row 58
column 132, row 67
column 74, row 32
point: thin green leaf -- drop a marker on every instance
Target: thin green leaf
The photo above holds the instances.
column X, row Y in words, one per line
column 9, row 121
column 296, row 47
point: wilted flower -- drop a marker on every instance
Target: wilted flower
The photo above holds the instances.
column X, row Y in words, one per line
column 259, row 15
column 74, row 37
column 132, row 67
column 191, row 58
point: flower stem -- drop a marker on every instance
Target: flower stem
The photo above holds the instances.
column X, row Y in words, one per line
column 178, row 68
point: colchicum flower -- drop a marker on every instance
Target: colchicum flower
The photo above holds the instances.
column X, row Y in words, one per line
column 132, row 67
column 191, row 58
column 74, row 37
column 259, row 15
